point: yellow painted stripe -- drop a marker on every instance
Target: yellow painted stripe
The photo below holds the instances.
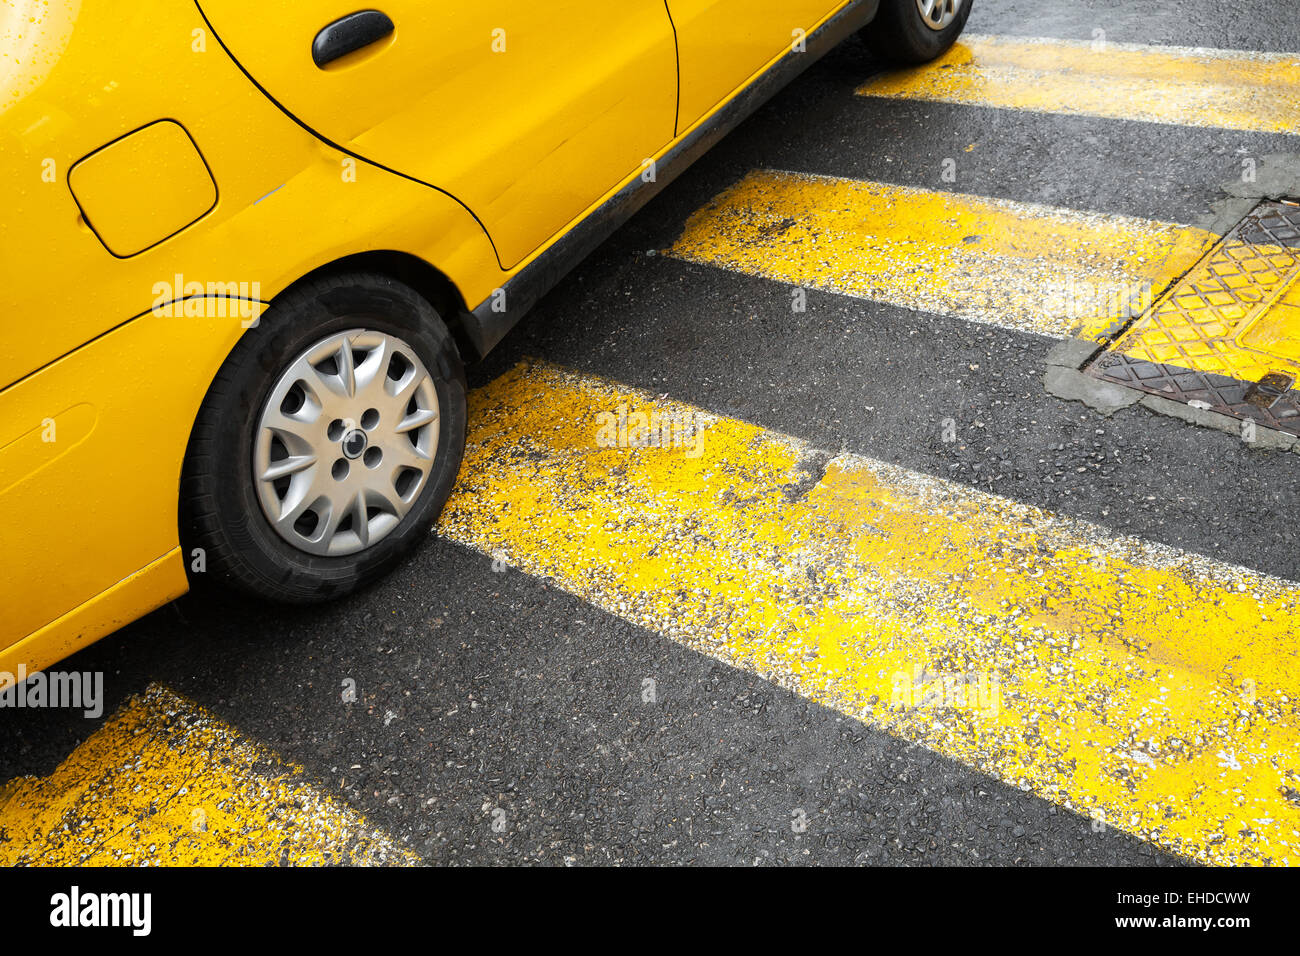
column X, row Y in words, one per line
column 1022, row 266
column 1152, row 687
column 164, row 783
column 1228, row 89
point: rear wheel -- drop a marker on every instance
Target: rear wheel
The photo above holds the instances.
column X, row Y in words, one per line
column 916, row 31
column 328, row 443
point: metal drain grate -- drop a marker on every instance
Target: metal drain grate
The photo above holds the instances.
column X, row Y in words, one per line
column 1227, row 335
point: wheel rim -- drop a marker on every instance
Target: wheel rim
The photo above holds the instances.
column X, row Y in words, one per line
column 937, row 14
column 345, row 442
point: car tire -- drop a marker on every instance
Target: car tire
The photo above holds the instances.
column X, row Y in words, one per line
column 257, row 420
column 900, row 34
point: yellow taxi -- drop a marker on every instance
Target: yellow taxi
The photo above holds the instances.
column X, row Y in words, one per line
column 247, row 247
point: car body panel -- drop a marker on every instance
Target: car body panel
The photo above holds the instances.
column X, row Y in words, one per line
column 248, row 144
column 521, row 111
column 489, row 322
column 723, row 44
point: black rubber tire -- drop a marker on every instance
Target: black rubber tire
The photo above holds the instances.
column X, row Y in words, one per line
column 899, row 35
column 219, row 509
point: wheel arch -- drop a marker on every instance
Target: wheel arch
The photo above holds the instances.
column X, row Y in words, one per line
column 430, row 282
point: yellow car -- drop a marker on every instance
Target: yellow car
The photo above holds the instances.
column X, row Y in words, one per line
column 248, row 245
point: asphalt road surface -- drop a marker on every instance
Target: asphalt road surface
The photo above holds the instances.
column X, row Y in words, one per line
column 595, row 661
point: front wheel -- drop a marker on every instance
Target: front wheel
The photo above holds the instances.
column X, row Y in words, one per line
column 916, row 31
column 328, row 442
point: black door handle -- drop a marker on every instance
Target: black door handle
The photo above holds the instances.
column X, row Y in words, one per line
column 349, row 34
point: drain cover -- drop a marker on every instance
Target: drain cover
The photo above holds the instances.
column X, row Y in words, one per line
column 1227, row 335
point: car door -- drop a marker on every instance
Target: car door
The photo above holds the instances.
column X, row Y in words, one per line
column 722, row 44
column 525, row 112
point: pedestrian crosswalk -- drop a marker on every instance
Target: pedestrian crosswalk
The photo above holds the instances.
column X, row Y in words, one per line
column 1021, row 266
column 1228, row 89
column 1149, row 688
column 165, row 782
column 1143, row 687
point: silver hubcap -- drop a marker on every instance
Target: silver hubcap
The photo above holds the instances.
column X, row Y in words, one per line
column 937, row 14
column 345, row 442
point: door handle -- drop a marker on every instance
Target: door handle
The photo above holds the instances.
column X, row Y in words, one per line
column 349, row 34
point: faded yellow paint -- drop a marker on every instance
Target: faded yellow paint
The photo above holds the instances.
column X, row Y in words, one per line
column 1022, row 266
column 164, row 783
column 1153, row 688
column 1227, row 89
